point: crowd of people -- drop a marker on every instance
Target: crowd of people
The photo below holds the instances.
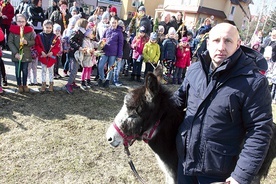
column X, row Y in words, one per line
column 68, row 38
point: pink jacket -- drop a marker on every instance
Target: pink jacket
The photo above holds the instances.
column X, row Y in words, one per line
column 138, row 45
column 183, row 57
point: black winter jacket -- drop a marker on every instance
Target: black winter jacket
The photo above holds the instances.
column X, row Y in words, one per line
column 227, row 127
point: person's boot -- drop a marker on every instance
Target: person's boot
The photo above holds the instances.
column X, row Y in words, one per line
column 174, row 81
column 132, row 78
column 138, row 79
column 43, row 87
column 100, row 83
column 89, row 83
column 179, row 81
column 5, row 81
column 106, row 84
column 26, row 89
column 20, row 89
column 126, row 72
column 51, row 86
column 83, row 85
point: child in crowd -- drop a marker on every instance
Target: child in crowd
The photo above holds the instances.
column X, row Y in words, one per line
column 76, row 41
column 20, row 41
column 88, row 58
column 182, row 60
column 151, row 53
column 47, row 45
column 57, row 32
column 168, row 52
column 137, row 45
column 32, row 68
column 126, row 59
column 2, row 36
column 65, row 43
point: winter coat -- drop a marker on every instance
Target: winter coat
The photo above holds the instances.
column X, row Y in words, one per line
column 22, row 8
column 36, row 17
column 14, row 41
column 126, row 47
column 89, row 59
column 54, row 42
column 228, row 123
column 56, row 17
column 7, row 10
column 76, row 40
column 137, row 45
column 146, row 23
column 169, row 49
column 182, row 57
column 151, row 52
column 114, row 42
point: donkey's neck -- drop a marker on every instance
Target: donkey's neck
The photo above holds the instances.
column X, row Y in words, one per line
column 164, row 141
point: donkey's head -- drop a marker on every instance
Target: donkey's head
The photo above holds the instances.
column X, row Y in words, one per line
column 138, row 115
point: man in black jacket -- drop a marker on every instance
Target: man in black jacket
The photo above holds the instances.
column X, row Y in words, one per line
column 227, row 129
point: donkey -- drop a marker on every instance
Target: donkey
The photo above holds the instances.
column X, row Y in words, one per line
column 150, row 114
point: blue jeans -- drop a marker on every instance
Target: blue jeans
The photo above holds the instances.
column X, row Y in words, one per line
column 74, row 66
column 24, row 70
column 67, row 63
column 110, row 60
column 117, row 70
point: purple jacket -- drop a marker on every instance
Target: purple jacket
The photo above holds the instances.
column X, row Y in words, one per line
column 114, row 42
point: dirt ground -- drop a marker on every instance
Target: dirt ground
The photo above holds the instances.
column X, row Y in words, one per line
column 60, row 138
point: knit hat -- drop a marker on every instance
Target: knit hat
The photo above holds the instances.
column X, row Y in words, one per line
column 105, row 15
column 87, row 32
column 113, row 9
column 56, row 27
column 153, row 36
column 161, row 28
column 142, row 29
column 142, row 8
column 171, row 31
column 121, row 23
column 92, row 18
column 184, row 39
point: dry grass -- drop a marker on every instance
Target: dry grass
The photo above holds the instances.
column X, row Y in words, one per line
column 60, row 138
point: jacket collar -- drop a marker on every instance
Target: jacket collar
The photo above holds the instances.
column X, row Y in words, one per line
column 242, row 57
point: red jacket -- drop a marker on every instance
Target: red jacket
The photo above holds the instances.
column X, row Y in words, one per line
column 55, row 48
column 1, row 39
column 182, row 57
column 7, row 10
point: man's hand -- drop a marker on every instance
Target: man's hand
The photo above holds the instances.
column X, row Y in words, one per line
column 231, row 180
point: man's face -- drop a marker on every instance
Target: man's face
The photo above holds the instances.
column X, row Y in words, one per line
column 223, row 42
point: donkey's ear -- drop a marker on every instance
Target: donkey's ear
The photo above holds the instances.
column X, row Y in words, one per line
column 158, row 72
column 152, row 86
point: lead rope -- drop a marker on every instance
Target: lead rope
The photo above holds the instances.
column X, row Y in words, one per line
column 132, row 166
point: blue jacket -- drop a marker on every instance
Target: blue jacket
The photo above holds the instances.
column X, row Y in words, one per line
column 228, row 124
column 114, row 43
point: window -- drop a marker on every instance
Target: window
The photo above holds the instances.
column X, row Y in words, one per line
column 233, row 8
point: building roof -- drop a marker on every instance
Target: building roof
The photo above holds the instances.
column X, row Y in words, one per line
column 210, row 11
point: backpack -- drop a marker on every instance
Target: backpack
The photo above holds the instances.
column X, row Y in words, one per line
column 169, row 49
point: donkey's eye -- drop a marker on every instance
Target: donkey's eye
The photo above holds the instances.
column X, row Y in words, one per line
column 139, row 110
